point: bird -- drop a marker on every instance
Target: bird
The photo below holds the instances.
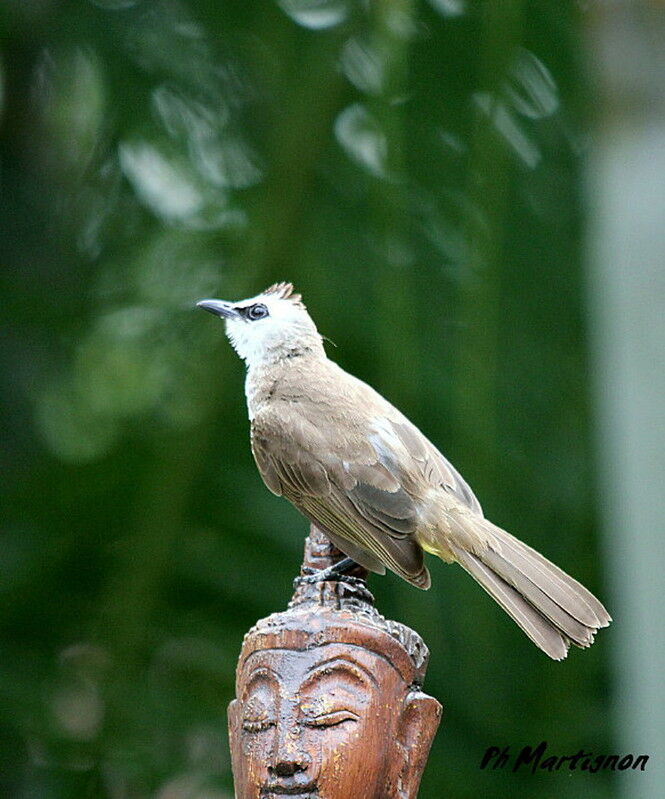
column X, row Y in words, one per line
column 369, row 479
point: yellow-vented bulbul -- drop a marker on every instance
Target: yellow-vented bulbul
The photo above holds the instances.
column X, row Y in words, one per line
column 369, row 479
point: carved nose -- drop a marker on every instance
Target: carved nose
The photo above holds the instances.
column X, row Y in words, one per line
column 287, row 767
column 288, row 755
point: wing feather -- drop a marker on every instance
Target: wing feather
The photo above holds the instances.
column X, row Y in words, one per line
column 358, row 499
column 267, row 470
column 335, row 512
column 436, row 469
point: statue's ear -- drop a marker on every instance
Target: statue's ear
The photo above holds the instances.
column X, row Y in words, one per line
column 233, row 715
column 235, row 745
column 417, row 726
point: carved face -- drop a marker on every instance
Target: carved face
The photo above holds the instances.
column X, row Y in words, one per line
column 321, row 723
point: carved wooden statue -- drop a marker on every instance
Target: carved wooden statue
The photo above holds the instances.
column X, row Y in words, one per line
column 328, row 693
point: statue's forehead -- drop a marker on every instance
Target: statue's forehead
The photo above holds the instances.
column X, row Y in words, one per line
column 306, row 631
column 294, row 664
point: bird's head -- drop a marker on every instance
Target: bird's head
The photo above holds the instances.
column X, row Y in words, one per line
column 273, row 325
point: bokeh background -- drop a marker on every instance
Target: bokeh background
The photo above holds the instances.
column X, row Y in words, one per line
column 428, row 174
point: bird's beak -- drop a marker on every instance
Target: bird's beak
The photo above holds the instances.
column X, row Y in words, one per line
column 218, row 307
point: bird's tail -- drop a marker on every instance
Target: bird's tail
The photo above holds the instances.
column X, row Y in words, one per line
column 552, row 608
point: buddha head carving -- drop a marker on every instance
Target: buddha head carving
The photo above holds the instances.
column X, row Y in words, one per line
column 328, row 703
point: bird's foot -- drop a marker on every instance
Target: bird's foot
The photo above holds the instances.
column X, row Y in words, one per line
column 335, row 572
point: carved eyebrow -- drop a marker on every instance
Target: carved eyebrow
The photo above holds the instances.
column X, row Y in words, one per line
column 258, row 673
column 340, row 662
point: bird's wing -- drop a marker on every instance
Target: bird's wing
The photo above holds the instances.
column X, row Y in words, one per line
column 344, row 488
column 264, row 463
column 433, row 466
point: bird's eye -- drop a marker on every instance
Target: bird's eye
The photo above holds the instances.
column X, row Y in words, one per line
column 258, row 311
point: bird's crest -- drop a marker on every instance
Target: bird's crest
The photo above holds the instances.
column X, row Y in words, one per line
column 285, row 292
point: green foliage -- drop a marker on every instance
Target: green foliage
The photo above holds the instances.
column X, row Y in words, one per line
column 413, row 168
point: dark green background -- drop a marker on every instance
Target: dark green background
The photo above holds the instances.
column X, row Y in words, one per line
column 414, row 169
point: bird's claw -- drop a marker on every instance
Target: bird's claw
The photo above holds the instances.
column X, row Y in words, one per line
column 335, row 572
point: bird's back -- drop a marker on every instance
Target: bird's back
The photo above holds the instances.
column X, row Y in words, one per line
column 334, row 414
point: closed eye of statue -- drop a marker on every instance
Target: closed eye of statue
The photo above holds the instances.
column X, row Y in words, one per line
column 257, row 725
column 331, row 719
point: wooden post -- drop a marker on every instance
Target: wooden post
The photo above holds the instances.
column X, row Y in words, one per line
column 328, row 696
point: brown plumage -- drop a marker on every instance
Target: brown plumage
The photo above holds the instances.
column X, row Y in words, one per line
column 357, row 468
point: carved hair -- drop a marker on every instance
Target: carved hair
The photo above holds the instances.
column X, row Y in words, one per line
column 339, row 611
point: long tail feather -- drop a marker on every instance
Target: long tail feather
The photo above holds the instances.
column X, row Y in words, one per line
column 552, row 608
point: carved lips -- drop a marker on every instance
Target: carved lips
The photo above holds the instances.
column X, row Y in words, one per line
column 290, row 788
